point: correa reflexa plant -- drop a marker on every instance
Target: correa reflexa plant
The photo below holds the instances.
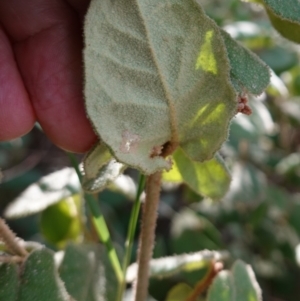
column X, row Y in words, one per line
column 162, row 84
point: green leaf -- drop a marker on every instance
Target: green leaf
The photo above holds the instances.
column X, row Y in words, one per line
column 237, row 285
column 288, row 58
column 67, row 224
column 248, row 185
column 289, row 165
column 210, row 178
column 8, row 281
column 77, row 271
column 87, row 273
column 40, row 280
column 47, row 191
column 179, row 292
column 248, row 73
column 105, row 276
column 167, row 266
column 245, row 285
column 221, row 289
column 191, row 232
column 152, row 69
column 279, row 199
column 173, row 175
column 285, row 17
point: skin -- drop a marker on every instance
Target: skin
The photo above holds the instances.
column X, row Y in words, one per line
column 41, row 71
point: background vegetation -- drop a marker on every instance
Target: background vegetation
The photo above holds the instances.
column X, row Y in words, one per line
column 257, row 221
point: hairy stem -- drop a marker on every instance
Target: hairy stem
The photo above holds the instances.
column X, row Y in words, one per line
column 10, row 240
column 203, row 284
column 147, row 235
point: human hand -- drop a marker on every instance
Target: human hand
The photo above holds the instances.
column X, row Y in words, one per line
column 41, row 74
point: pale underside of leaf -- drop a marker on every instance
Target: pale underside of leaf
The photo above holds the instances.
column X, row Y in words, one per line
column 100, row 169
column 171, row 265
column 105, row 176
column 48, row 191
column 156, row 72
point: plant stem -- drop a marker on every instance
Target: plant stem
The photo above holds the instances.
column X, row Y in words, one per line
column 213, row 269
column 100, row 226
column 131, row 232
column 146, row 241
column 10, row 240
column 74, row 163
column 104, row 236
column 133, row 222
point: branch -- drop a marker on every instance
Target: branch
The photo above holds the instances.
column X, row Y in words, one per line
column 147, row 235
column 11, row 241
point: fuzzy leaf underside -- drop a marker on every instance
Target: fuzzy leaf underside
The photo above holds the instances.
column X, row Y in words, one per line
column 106, row 175
column 248, row 73
column 152, row 68
column 171, row 265
column 285, row 17
column 239, row 284
column 210, row 178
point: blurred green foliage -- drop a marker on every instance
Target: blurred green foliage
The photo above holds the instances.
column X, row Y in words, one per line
column 258, row 220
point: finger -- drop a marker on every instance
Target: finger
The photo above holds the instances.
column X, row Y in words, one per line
column 16, row 113
column 48, row 51
column 80, row 6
